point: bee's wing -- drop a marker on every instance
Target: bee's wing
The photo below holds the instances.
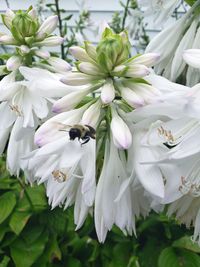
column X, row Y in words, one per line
column 62, row 126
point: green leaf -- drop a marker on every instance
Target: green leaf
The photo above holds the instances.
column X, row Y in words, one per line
column 187, row 243
column 25, row 253
column 18, row 220
column 7, row 204
column 171, row 257
column 5, row 261
column 190, row 2
column 38, row 197
column 72, row 262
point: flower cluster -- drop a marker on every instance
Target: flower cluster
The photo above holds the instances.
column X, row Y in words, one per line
column 124, row 140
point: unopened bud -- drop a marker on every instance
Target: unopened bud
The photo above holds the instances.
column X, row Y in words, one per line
column 79, row 53
column 107, row 92
column 7, row 40
column 92, row 114
column 50, row 41
column 24, row 49
column 13, row 63
column 59, row 64
column 41, row 53
column 47, row 27
column 7, row 18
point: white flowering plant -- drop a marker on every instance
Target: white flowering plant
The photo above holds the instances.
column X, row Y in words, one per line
column 107, row 142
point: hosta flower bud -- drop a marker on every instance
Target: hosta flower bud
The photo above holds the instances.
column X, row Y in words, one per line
column 148, row 59
column 107, row 92
column 42, row 53
column 89, row 68
column 112, row 49
column 7, row 40
column 119, row 70
column 132, row 98
column 91, row 50
column 79, row 53
column 122, row 136
column 13, row 63
column 70, row 101
column 24, row 49
column 32, row 13
column 76, row 78
column 47, row 27
column 7, row 18
column 92, row 114
column 23, row 25
column 51, row 41
column 59, row 64
column 136, row 71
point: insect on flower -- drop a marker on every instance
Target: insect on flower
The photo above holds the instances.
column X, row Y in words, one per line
column 83, row 132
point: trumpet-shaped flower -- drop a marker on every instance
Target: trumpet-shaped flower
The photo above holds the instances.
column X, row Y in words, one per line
column 23, row 104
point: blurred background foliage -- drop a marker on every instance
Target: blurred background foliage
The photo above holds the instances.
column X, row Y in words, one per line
column 31, row 234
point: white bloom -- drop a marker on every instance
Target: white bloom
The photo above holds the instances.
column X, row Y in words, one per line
column 7, row 40
column 68, row 170
column 160, row 9
column 113, row 206
column 192, row 57
column 42, row 53
column 23, row 104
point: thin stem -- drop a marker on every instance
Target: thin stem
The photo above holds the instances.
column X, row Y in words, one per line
column 7, row 4
column 26, row 193
column 60, row 27
column 125, row 14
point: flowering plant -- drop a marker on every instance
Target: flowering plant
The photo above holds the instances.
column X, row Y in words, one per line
column 124, row 139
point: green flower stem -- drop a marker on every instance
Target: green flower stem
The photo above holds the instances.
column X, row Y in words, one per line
column 125, row 15
column 60, row 27
column 26, row 193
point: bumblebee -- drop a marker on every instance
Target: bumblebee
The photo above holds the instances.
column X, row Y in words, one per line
column 83, row 132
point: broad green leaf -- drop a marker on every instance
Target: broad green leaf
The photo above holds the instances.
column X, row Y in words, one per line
column 171, row 257
column 51, row 252
column 38, row 197
column 5, row 261
column 72, row 262
column 18, row 220
column 7, row 204
column 25, row 253
column 187, row 243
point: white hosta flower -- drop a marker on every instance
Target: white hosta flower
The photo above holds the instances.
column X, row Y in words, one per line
column 47, row 27
column 111, row 205
column 161, row 10
column 7, row 40
column 23, row 104
column 186, row 210
column 148, row 60
column 52, row 129
column 122, row 136
column 171, row 42
column 68, row 170
column 192, row 57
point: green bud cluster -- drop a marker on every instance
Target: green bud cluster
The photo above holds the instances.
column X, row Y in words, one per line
column 112, row 50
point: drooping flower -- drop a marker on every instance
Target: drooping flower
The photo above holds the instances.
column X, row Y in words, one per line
column 66, row 167
column 171, row 43
column 23, row 105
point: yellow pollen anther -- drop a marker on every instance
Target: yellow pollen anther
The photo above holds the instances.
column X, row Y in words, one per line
column 16, row 109
column 59, row 176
